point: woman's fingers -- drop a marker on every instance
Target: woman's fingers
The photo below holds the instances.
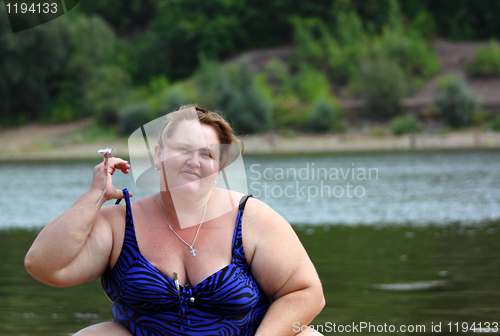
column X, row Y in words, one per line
column 100, row 177
column 117, row 163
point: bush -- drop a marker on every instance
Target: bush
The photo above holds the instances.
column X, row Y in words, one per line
column 495, row 123
column 210, row 81
column 240, row 101
column 350, row 29
column 92, row 42
column 158, row 84
column 106, row 92
column 309, row 84
column 289, row 111
column 408, row 50
column 174, row 98
column 336, row 54
column 133, row 116
column 405, row 124
column 382, row 86
column 481, row 117
column 277, row 76
column 324, row 116
column 456, row 101
column 308, row 48
column 424, row 24
column 486, row 61
column 350, row 46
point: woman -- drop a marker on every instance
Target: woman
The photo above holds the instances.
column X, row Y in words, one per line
column 175, row 262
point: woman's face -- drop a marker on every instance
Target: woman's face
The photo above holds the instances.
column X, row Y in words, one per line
column 190, row 158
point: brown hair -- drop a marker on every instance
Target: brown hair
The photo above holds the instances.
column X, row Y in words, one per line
column 218, row 123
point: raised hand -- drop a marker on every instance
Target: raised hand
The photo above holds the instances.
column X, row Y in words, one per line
column 100, row 170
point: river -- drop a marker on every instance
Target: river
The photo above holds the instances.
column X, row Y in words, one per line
column 427, row 254
column 396, row 188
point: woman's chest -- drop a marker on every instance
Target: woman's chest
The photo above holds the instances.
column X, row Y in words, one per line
column 192, row 254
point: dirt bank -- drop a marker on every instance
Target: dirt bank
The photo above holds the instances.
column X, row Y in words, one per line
column 56, row 142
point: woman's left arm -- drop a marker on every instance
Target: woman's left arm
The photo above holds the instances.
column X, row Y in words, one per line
column 283, row 270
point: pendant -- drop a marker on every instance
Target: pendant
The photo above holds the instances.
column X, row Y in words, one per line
column 193, row 251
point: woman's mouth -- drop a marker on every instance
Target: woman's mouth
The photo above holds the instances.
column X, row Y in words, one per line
column 190, row 173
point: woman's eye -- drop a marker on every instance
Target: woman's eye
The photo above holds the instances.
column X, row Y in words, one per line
column 182, row 149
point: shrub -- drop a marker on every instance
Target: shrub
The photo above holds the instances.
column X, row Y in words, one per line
column 323, row 116
column 158, row 83
column 424, row 24
column 209, row 80
column 405, row 124
column 240, row 101
column 350, row 29
column 408, row 50
column 308, row 48
column 486, row 61
column 174, row 98
column 456, row 101
column 481, row 117
column 289, row 111
column 277, row 71
column 495, row 123
column 133, row 116
column 277, row 76
column 336, row 53
column 309, row 84
column 106, row 92
column 263, row 87
column 382, row 86
column 92, row 42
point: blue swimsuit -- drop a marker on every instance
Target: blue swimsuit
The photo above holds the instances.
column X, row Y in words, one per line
column 146, row 301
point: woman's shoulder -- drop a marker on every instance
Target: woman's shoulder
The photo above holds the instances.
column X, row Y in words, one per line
column 113, row 213
column 260, row 219
column 227, row 197
column 116, row 213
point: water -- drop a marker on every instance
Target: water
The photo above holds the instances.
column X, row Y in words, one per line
column 416, row 187
column 358, row 267
column 421, row 187
column 445, row 272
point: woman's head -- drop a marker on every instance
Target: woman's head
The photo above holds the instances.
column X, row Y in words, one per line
column 227, row 141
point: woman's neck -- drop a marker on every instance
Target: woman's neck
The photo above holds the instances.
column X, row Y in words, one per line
column 181, row 210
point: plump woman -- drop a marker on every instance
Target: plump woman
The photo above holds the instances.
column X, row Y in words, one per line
column 192, row 259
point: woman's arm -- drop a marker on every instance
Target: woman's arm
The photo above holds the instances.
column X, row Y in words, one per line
column 76, row 246
column 283, row 270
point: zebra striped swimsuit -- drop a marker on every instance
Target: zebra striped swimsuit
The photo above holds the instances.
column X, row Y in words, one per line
column 146, row 301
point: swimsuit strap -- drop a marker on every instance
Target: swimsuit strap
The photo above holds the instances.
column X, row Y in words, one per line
column 126, row 195
column 238, row 252
column 243, row 201
column 130, row 239
column 128, row 218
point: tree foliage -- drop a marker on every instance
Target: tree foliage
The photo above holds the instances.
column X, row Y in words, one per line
column 456, row 101
column 29, row 62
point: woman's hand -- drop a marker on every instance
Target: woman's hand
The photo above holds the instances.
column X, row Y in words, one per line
column 99, row 178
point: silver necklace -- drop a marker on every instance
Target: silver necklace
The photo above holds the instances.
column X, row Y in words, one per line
column 193, row 251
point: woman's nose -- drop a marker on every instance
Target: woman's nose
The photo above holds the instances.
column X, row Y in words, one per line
column 194, row 159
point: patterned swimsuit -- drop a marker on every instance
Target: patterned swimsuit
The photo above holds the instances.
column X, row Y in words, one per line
column 146, row 301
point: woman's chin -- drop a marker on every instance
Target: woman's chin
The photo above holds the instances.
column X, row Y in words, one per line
column 190, row 189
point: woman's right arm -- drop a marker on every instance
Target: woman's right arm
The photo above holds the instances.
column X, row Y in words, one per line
column 76, row 246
